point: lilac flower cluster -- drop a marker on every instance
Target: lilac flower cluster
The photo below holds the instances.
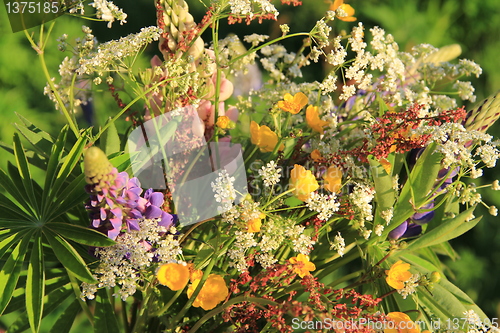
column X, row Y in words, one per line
column 119, row 206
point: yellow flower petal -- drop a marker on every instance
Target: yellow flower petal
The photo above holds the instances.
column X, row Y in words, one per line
column 333, row 179
column 313, row 120
column 212, row 293
column 301, row 265
column 401, row 323
column 264, row 137
column 398, row 274
column 173, row 275
column 293, row 104
column 303, row 182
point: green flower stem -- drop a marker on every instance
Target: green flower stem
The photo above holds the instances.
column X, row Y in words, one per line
column 169, row 304
column 40, row 50
column 83, row 304
column 143, row 314
column 251, row 154
column 229, row 303
column 278, row 197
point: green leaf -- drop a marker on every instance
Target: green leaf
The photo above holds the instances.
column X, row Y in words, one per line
column 73, row 195
column 13, row 189
column 8, row 241
column 68, row 256
column 9, row 275
column 41, row 141
column 24, row 172
column 293, row 201
column 50, row 175
column 70, row 161
column 111, row 139
column 66, row 319
column 449, row 229
column 52, row 301
column 81, row 235
column 384, row 193
column 121, row 162
column 104, row 316
column 35, row 285
column 417, row 188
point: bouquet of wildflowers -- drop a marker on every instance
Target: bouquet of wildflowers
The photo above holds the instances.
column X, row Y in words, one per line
column 227, row 194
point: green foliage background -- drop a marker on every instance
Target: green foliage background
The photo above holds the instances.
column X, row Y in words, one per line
column 475, row 25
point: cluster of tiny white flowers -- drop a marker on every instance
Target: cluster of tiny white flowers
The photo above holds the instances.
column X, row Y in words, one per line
column 387, row 215
column 272, row 236
column 224, row 191
column 465, row 90
column 325, row 205
column 134, row 252
column 468, row 194
column 495, row 186
column 265, row 259
column 361, row 198
column 270, row 174
column 108, row 11
column 338, row 244
column 410, row 286
column 379, row 229
column 244, row 241
column 302, row 243
column 255, row 39
column 321, row 33
column 489, row 154
column 248, row 210
column 328, row 85
column 476, row 325
column 110, row 54
column 276, row 57
column 245, row 8
column 453, row 142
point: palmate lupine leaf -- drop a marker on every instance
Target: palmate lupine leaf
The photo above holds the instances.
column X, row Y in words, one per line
column 36, row 228
column 484, row 115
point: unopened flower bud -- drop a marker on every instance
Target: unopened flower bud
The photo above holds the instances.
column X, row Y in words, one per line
column 435, row 277
column 96, row 165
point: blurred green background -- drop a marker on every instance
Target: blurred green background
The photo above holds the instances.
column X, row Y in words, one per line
column 475, row 25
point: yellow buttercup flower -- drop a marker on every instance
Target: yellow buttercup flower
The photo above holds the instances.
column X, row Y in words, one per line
column 346, row 8
column 293, row 104
column 255, row 224
column 301, row 265
column 223, row 122
column 173, row 275
column 313, row 120
column 333, row 179
column 264, row 137
column 401, row 323
column 212, row 293
column 316, row 155
column 303, row 182
column 398, row 274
